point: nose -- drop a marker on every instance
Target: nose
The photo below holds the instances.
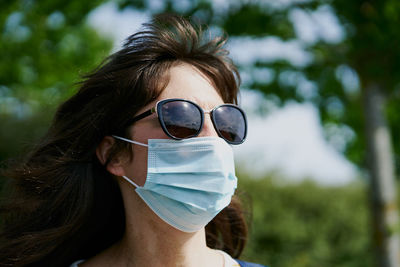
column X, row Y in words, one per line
column 208, row 127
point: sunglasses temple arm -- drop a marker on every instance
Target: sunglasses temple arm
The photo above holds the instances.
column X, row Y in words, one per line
column 143, row 115
column 140, row 116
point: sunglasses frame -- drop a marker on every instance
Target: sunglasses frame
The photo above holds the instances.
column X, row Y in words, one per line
column 157, row 109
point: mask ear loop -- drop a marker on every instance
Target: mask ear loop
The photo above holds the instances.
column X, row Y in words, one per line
column 130, row 181
column 128, row 140
column 133, row 142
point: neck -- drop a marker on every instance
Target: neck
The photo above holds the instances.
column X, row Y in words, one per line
column 149, row 241
column 157, row 247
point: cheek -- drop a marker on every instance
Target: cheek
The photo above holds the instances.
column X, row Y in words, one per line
column 145, row 130
column 137, row 168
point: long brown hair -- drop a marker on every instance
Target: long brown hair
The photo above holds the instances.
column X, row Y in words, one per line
column 61, row 204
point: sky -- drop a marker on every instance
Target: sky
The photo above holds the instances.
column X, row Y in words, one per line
column 288, row 140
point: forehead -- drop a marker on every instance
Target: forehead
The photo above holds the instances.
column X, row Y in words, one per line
column 187, row 82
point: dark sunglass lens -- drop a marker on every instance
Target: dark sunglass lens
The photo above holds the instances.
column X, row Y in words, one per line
column 230, row 123
column 181, row 119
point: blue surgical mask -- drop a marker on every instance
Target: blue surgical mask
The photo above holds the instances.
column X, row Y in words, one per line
column 188, row 181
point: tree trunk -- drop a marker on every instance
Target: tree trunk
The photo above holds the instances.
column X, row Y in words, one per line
column 383, row 197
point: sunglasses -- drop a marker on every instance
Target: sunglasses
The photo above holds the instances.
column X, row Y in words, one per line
column 180, row 119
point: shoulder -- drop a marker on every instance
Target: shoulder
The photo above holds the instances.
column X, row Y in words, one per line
column 231, row 262
column 248, row 264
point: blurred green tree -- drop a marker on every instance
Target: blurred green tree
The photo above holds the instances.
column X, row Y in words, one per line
column 306, row 225
column 45, row 46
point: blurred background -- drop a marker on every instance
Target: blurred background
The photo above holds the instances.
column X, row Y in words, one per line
column 320, row 85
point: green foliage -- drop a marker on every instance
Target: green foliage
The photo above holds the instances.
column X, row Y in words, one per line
column 393, row 116
column 372, row 50
column 306, row 225
column 46, row 46
column 251, row 20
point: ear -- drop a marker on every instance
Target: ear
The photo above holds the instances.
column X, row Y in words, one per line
column 115, row 166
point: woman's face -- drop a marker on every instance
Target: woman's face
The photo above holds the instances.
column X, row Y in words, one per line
column 185, row 82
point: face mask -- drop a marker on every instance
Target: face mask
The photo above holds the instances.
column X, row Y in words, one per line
column 188, row 181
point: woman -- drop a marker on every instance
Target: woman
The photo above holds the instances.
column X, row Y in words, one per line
column 136, row 168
